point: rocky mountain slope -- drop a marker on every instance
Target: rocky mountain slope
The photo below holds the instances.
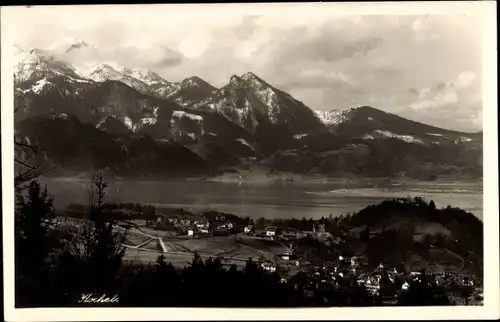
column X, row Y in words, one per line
column 215, row 128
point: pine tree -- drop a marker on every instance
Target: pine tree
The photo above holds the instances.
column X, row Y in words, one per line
column 36, row 242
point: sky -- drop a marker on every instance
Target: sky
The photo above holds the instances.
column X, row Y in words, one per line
column 423, row 66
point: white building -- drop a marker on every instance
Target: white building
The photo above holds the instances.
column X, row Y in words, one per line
column 202, row 224
column 270, row 231
column 190, row 232
column 268, row 267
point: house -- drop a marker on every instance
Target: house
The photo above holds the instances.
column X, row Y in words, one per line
column 310, row 233
column 287, row 256
column 466, row 281
column 220, row 222
column 203, row 223
column 372, row 285
column 222, row 225
column 292, row 233
column 220, row 218
column 249, row 229
column 355, row 260
column 268, row 266
column 181, row 218
column 190, row 232
column 271, row 231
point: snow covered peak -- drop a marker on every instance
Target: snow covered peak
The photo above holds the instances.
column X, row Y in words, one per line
column 249, row 75
column 104, row 72
column 254, row 81
column 36, row 63
column 248, row 101
column 194, row 81
column 145, row 75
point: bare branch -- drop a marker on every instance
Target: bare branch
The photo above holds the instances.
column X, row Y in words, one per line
column 29, row 175
column 28, row 146
column 32, row 171
column 24, row 163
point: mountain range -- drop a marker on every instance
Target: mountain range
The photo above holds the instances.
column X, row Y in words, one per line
column 132, row 122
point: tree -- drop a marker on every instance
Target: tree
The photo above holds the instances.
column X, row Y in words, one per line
column 260, row 223
column 359, row 295
column 432, row 205
column 149, row 214
column 251, row 266
column 364, row 234
column 106, row 251
column 95, row 254
column 35, row 245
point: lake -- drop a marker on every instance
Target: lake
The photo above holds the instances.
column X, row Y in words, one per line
column 284, row 200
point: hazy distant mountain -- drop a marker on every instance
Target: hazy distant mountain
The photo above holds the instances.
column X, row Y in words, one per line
column 246, row 119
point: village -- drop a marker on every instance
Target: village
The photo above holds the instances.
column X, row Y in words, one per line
column 385, row 282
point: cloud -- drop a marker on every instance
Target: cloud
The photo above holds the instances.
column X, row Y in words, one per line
column 124, row 55
column 319, row 79
column 456, row 103
column 325, row 47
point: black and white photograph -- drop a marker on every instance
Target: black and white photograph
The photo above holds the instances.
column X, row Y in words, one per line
column 250, row 156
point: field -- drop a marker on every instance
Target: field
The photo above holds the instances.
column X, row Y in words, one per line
column 146, row 244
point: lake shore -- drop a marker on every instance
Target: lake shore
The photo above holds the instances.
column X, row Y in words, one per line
column 261, row 178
